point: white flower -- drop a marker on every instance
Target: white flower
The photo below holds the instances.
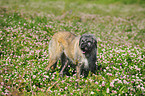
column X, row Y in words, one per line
column 34, row 76
column 104, row 70
column 34, row 86
column 119, row 81
column 2, row 83
column 96, row 82
column 65, row 88
column 46, row 76
column 107, row 90
column 124, row 81
column 107, row 67
column 103, row 83
column 112, row 84
column 92, row 92
column 142, row 88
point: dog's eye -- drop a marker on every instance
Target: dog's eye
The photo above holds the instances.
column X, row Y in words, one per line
column 82, row 40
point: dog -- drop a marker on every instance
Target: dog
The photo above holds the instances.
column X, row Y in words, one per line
column 79, row 50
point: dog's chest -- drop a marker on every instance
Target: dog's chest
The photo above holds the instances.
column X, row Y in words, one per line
column 81, row 58
column 85, row 62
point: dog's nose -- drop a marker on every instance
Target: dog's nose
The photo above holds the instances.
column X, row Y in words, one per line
column 86, row 48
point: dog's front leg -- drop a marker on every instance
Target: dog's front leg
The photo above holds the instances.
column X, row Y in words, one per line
column 78, row 68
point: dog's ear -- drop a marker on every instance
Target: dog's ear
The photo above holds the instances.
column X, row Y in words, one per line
column 80, row 40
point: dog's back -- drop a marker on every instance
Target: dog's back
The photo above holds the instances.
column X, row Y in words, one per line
column 64, row 38
column 61, row 41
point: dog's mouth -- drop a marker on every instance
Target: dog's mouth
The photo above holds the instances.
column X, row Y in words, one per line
column 85, row 50
column 86, row 47
column 87, row 43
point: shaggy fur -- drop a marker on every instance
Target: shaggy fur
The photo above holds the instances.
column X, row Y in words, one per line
column 80, row 50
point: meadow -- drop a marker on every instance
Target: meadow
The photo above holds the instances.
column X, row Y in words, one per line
column 26, row 27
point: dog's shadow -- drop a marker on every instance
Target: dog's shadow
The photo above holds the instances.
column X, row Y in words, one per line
column 70, row 70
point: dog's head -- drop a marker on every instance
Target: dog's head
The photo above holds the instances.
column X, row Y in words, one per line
column 87, row 42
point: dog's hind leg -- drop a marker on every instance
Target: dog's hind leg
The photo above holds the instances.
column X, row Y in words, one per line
column 64, row 62
column 52, row 62
column 55, row 51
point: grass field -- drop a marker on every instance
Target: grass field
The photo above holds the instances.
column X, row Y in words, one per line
column 26, row 26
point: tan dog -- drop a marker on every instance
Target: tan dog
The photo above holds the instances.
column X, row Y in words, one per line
column 80, row 50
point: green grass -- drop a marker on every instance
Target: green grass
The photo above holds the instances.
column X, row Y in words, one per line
column 59, row 7
column 26, row 26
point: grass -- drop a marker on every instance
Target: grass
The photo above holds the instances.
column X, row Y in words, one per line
column 27, row 26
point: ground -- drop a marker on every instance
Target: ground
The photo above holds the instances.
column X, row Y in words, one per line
column 26, row 26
